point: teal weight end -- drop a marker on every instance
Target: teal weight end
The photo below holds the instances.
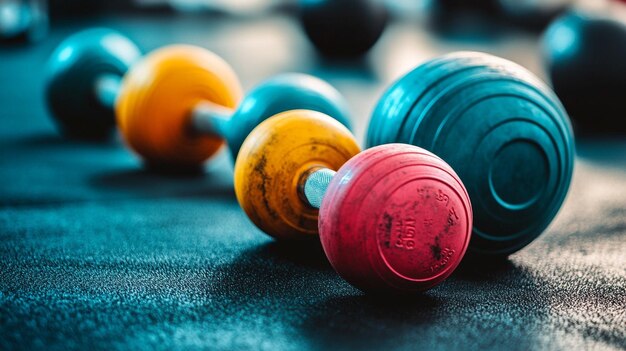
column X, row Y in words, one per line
column 502, row 130
column 72, row 74
column 284, row 92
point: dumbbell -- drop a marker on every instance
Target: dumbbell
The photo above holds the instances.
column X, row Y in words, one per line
column 22, row 21
column 343, row 28
column 175, row 106
column 502, row 130
column 394, row 218
column 585, row 56
column 82, row 78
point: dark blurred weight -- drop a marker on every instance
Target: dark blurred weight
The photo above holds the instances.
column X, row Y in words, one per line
column 349, row 28
column 343, row 28
column 23, row 20
column 585, row 56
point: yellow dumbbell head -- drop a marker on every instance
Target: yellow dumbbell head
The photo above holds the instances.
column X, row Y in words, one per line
column 272, row 161
column 156, row 99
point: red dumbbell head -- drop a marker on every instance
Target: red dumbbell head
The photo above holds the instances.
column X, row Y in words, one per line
column 395, row 218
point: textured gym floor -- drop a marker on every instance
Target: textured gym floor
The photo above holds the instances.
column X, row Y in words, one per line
column 97, row 253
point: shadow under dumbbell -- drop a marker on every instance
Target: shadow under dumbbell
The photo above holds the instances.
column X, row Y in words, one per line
column 48, row 169
column 46, row 141
column 364, row 322
column 308, row 253
column 476, row 269
column 288, row 275
column 603, row 151
column 469, row 310
column 162, row 183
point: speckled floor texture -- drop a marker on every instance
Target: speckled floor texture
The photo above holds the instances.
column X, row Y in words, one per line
column 98, row 254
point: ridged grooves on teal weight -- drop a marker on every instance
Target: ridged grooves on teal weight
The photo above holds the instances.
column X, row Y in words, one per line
column 524, row 233
column 421, row 80
column 382, row 130
column 451, row 97
column 511, row 222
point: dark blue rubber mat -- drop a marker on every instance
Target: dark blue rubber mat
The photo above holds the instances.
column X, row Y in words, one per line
column 97, row 253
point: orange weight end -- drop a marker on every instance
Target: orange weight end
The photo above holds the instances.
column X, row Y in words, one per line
column 156, row 99
column 271, row 163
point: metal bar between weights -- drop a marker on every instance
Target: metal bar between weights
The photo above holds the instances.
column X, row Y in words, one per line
column 210, row 118
column 107, row 87
column 316, row 184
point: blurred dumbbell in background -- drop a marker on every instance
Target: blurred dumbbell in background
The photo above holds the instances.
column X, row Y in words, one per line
column 585, row 57
column 23, row 20
column 343, row 28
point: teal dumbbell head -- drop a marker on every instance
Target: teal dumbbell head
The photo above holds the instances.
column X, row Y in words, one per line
column 284, row 92
column 76, row 68
column 502, row 130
